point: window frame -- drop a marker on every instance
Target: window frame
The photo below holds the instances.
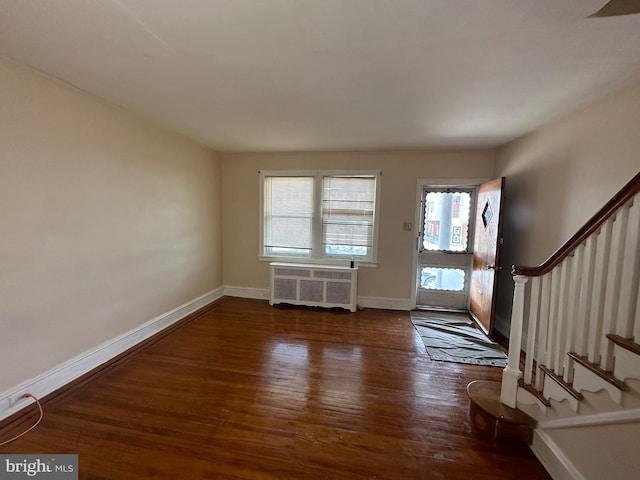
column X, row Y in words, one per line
column 317, row 255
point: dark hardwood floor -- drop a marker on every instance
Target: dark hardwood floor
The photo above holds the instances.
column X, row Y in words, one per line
column 249, row 391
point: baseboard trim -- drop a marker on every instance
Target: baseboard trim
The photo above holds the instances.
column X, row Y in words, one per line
column 244, row 292
column 385, row 303
column 552, row 458
column 500, row 338
column 630, row 415
column 86, row 366
column 502, row 324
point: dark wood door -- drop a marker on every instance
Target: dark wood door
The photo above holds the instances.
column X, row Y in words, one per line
column 486, row 253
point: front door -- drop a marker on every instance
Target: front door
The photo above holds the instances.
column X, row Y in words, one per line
column 486, row 253
column 445, row 250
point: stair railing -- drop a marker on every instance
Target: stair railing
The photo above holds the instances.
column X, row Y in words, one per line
column 587, row 289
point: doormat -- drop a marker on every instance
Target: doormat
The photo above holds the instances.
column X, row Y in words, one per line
column 451, row 337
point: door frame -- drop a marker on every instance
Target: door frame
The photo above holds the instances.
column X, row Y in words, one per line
column 420, row 186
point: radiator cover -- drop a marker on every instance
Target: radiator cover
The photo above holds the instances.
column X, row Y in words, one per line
column 314, row 285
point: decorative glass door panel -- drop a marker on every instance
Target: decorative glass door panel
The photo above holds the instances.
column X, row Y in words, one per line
column 445, row 250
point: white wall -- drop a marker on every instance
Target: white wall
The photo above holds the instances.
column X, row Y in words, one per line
column 106, row 222
column 391, row 279
column 561, row 174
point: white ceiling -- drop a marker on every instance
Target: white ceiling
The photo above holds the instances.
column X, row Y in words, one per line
column 267, row 75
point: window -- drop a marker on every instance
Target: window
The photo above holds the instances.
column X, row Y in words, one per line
column 320, row 216
column 288, row 212
column 446, row 220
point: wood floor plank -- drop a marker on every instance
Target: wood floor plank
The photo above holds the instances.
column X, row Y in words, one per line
column 249, row 391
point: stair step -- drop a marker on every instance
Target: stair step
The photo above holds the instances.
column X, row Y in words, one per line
column 560, row 381
column 626, row 343
column 599, row 371
column 492, row 418
column 536, row 393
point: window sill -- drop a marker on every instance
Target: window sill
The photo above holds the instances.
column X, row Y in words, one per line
column 317, row 261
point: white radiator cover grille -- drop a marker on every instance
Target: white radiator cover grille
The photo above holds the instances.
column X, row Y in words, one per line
column 311, row 291
column 314, row 285
column 334, row 275
column 292, row 272
column 338, row 292
column 286, row 288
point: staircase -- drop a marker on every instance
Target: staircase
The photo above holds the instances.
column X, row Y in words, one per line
column 574, row 347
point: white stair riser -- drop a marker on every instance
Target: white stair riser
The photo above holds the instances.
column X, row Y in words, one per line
column 585, row 379
column 626, row 365
column 526, row 398
column 553, row 391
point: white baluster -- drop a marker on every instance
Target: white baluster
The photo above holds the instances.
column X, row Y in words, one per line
column 552, row 339
column 543, row 329
column 612, row 295
column 572, row 311
column 599, row 289
column 630, row 274
column 586, row 290
column 532, row 329
column 561, row 323
column 511, row 374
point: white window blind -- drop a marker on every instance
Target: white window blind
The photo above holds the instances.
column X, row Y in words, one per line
column 348, row 207
column 288, row 215
column 322, row 216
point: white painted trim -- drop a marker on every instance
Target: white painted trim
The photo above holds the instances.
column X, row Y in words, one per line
column 552, row 390
column 631, row 415
column 385, row 303
column 57, row 377
column 453, row 182
column 552, row 458
column 245, row 292
column 420, row 185
column 627, row 364
column 524, row 397
column 585, row 379
column 316, row 253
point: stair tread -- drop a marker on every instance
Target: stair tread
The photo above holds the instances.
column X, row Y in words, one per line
column 599, row 371
column 486, row 396
column 626, row 343
column 560, row 381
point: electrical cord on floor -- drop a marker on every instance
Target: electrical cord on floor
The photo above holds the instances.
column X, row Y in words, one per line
column 27, row 395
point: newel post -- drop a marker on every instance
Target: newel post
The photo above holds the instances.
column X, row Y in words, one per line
column 511, row 373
